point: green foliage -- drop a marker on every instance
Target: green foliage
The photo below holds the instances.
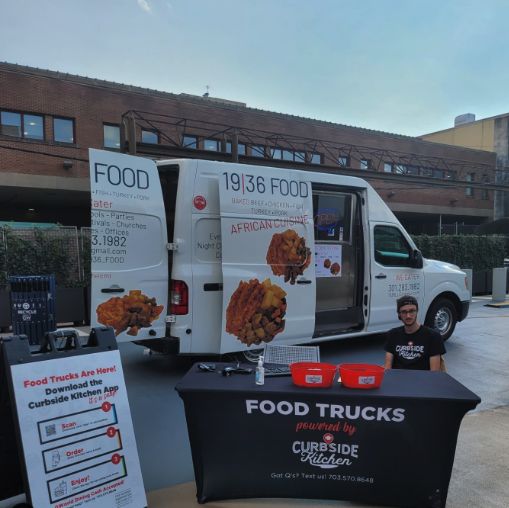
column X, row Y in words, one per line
column 85, row 259
column 466, row 251
column 43, row 254
column 3, row 264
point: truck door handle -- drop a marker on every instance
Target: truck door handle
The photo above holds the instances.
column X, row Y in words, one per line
column 381, row 276
column 113, row 289
column 305, row 281
column 213, row 286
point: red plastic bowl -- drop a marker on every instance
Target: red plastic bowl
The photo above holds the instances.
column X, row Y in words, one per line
column 361, row 375
column 313, row 374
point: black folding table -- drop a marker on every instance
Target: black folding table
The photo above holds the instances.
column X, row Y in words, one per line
column 393, row 445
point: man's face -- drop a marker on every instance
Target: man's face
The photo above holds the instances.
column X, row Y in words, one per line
column 408, row 314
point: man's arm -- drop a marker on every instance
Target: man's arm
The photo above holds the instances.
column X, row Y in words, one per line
column 388, row 361
column 434, row 362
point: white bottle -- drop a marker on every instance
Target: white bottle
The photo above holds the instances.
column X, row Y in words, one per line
column 260, row 372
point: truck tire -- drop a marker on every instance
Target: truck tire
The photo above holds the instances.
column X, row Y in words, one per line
column 442, row 317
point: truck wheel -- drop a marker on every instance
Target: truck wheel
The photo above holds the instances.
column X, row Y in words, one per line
column 442, row 317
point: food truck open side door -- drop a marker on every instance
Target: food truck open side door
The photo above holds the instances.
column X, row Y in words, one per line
column 128, row 246
column 269, row 286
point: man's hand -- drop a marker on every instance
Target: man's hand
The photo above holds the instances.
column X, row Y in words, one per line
column 388, row 361
column 434, row 362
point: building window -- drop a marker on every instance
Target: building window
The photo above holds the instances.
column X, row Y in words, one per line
column 412, row 170
column 365, row 164
column 315, row 158
column 258, row 151
column 190, row 142
column 212, row 144
column 63, row 130
column 11, row 123
column 22, row 125
column 150, row 137
column 111, row 135
column 33, row 127
column 288, row 155
column 275, row 153
column 344, row 161
column 387, row 167
column 484, row 192
column 469, row 191
column 300, row 156
column 241, row 148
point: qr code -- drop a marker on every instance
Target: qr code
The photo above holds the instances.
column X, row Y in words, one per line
column 51, row 430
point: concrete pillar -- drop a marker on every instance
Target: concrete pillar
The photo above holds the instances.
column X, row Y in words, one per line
column 499, row 284
column 470, row 278
column 501, row 146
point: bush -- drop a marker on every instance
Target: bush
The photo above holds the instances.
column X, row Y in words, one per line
column 468, row 251
column 3, row 266
column 41, row 253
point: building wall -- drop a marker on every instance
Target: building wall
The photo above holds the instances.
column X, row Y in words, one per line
column 30, row 169
column 488, row 134
column 478, row 135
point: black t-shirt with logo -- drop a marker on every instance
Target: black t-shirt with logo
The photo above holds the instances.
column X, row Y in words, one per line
column 413, row 350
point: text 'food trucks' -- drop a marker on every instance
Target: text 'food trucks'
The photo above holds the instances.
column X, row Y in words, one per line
column 216, row 257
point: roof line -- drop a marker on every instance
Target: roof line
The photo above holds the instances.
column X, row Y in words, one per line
column 180, row 97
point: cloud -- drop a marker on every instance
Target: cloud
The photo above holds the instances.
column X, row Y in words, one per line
column 143, row 4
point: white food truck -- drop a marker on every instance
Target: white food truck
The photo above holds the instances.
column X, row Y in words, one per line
column 206, row 257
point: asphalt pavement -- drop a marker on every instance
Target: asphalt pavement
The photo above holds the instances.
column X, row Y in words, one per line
column 477, row 356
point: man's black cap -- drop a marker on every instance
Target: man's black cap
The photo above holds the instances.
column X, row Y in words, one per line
column 406, row 300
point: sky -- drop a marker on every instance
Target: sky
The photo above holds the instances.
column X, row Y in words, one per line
column 403, row 66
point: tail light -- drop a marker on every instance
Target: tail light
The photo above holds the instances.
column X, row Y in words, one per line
column 179, row 297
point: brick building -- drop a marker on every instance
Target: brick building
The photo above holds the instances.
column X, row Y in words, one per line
column 48, row 120
column 490, row 134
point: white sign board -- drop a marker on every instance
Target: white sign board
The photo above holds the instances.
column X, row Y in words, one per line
column 77, row 434
column 128, row 246
column 328, row 260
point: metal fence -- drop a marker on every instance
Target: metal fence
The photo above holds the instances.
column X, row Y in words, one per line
column 40, row 251
column 458, row 229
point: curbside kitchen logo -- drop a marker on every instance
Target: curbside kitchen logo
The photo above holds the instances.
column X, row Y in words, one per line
column 410, row 352
column 326, row 454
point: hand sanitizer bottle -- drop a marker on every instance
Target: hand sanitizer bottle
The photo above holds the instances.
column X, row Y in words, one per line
column 260, row 372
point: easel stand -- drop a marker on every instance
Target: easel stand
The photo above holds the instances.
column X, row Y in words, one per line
column 71, row 423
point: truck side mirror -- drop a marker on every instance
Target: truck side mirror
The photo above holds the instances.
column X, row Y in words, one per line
column 417, row 261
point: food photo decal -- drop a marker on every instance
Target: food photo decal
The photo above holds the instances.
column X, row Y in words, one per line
column 335, row 268
column 288, row 255
column 256, row 311
column 129, row 312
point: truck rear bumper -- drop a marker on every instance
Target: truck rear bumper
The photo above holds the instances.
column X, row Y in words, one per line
column 464, row 310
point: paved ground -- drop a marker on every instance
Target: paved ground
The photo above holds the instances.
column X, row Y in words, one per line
column 478, row 356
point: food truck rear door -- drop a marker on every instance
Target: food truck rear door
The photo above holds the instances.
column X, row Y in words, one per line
column 129, row 260
column 266, row 221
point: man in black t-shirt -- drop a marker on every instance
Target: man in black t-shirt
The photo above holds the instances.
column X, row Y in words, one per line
column 412, row 346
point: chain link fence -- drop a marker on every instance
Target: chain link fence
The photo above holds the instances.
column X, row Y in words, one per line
column 63, row 251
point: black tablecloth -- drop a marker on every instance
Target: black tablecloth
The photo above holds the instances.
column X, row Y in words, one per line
column 393, row 445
